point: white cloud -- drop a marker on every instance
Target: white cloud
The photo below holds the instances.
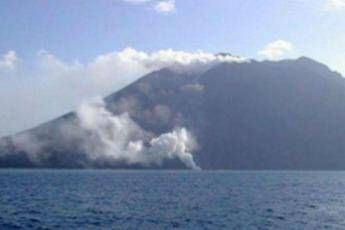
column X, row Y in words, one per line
column 335, row 4
column 137, row 1
column 160, row 6
column 9, row 60
column 50, row 87
column 276, row 49
column 165, row 6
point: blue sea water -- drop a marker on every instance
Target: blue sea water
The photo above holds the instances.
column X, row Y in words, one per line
column 106, row 199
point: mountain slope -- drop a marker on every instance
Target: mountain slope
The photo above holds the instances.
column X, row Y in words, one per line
column 253, row 115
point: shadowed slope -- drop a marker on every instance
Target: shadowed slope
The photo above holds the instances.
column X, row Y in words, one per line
column 253, row 115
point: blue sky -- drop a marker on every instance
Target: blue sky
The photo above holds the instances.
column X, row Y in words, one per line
column 50, row 49
column 84, row 29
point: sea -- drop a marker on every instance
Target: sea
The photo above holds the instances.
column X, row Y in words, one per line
column 112, row 199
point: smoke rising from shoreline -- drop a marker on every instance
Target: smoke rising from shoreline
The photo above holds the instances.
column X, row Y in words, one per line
column 120, row 138
column 103, row 137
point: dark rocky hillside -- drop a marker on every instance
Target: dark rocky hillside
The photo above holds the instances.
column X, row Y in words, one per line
column 254, row 115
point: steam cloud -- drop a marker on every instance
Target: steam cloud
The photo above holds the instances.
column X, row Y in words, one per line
column 104, row 137
column 120, row 138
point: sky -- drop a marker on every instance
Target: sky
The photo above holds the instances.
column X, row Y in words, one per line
column 56, row 54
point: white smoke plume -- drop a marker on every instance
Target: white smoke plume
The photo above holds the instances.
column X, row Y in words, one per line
column 31, row 145
column 107, row 139
column 119, row 138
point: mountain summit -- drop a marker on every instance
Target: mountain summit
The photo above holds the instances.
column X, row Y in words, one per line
column 287, row 114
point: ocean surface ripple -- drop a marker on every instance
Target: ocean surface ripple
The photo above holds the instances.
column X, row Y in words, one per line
column 106, row 199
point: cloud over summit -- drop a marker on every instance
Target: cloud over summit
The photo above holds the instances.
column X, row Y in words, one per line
column 51, row 86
